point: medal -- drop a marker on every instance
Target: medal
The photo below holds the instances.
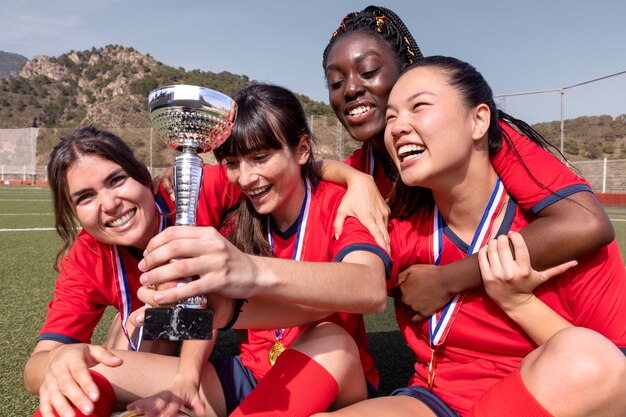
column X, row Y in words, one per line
column 439, row 324
column 275, row 352
column 431, row 370
column 303, row 217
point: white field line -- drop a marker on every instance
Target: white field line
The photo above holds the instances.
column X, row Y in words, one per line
column 20, row 200
column 26, row 214
column 34, row 229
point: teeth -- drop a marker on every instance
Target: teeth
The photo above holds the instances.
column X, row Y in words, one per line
column 123, row 220
column 406, row 151
column 258, row 192
column 359, row 110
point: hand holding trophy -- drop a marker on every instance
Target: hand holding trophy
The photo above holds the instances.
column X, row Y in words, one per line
column 192, row 120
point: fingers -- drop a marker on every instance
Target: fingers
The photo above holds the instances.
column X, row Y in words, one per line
column 62, row 390
column 559, row 269
column 101, row 355
column 340, row 218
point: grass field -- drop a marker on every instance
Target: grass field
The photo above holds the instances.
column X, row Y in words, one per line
column 28, row 245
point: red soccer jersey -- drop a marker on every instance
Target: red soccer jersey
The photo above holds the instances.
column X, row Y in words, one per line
column 92, row 277
column 319, row 246
column 550, row 181
column 364, row 160
column 216, row 196
column 483, row 344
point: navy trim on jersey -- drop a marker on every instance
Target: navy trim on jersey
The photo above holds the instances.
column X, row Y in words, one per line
column 504, row 228
column 559, row 195
column 55, row 337
column 623, row 351
column 367, row 247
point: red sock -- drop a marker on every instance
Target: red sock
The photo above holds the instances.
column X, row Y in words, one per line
column 105, row 404
column 295, row 386
column 509, row 397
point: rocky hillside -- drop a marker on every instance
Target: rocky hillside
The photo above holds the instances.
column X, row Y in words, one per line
column 107, row 86
column 11, row 64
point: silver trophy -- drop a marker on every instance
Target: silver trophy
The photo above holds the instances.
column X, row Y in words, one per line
column 192, row 120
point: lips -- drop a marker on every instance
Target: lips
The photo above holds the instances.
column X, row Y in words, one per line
column 410, row 151
column 258, row 193
column 358, row 111
column 121, row 221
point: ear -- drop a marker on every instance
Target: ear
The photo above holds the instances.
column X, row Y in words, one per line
column 303, row 150
column 480, row 121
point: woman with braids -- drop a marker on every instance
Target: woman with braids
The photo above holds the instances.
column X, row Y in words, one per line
column 362, row 61
column 281, row 275
column 528, row 343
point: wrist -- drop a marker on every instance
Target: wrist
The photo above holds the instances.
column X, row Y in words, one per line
column 237, row 307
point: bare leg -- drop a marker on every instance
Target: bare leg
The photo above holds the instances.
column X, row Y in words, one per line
column 145, row 374
column 578, row 372
column 400, row 406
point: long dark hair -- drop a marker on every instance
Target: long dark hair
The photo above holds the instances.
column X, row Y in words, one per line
column 84, row 141
column 268, row 117
column 379, row 21
column 474, row 90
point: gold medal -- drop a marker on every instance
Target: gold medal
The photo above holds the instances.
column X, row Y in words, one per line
column 275, row 352
column 431, row 370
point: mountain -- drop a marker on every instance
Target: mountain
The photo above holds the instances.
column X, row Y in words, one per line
column 106, row 86
column 11, row 64
column 109, row 86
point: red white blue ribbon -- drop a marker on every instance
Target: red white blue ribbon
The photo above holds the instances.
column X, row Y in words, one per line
column 123, row 288
column 300, row 234
column 439, row 324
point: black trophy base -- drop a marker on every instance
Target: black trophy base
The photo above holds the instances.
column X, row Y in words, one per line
column 177, row 323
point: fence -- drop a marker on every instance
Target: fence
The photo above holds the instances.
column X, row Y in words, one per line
column 24, row 153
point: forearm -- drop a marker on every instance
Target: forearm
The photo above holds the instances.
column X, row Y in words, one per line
column 337, row 172
column 35, row 371
column 270, row 313
column 355, row 285
column 193, row 356
column 567, row 229
column 538, row 320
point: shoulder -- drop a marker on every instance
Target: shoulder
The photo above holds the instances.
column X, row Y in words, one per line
column 85, row 253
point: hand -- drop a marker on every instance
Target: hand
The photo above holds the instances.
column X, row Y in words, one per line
column 508, row 276
column 184, row 393
column 167, row 179
column 420, row 291
column 363, row 201
column 199, row 251
column 68, row 382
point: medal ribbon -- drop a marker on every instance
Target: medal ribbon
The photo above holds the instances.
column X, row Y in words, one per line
column 123, row 288
column 300, row 233
column 370, row 161
column 440, row 323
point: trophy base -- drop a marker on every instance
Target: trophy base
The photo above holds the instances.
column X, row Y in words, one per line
column 177, row 323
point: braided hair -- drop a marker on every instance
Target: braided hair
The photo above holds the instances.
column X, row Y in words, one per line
column 388, row 24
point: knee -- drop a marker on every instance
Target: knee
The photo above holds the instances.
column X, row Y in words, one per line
column 574, row 361
column 324, row 338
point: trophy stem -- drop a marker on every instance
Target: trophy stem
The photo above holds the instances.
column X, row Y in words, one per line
column 187, row 179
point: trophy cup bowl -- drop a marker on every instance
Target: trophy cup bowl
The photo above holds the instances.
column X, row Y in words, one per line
column 191, row 120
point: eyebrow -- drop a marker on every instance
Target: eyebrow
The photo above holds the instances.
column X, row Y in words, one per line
column 108, row 178
column 409, row 99
column 359, row 59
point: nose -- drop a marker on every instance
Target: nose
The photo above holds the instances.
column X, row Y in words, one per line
column 354, row 86
column 247, row 174
column 110, row 201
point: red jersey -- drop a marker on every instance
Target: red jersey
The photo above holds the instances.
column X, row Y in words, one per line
column 319, row 245
column 93, row 276
column 550, row 181
column 217, row 195
column 364, row 159
column 483, row 344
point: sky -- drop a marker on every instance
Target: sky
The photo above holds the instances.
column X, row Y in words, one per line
column 518, row 45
